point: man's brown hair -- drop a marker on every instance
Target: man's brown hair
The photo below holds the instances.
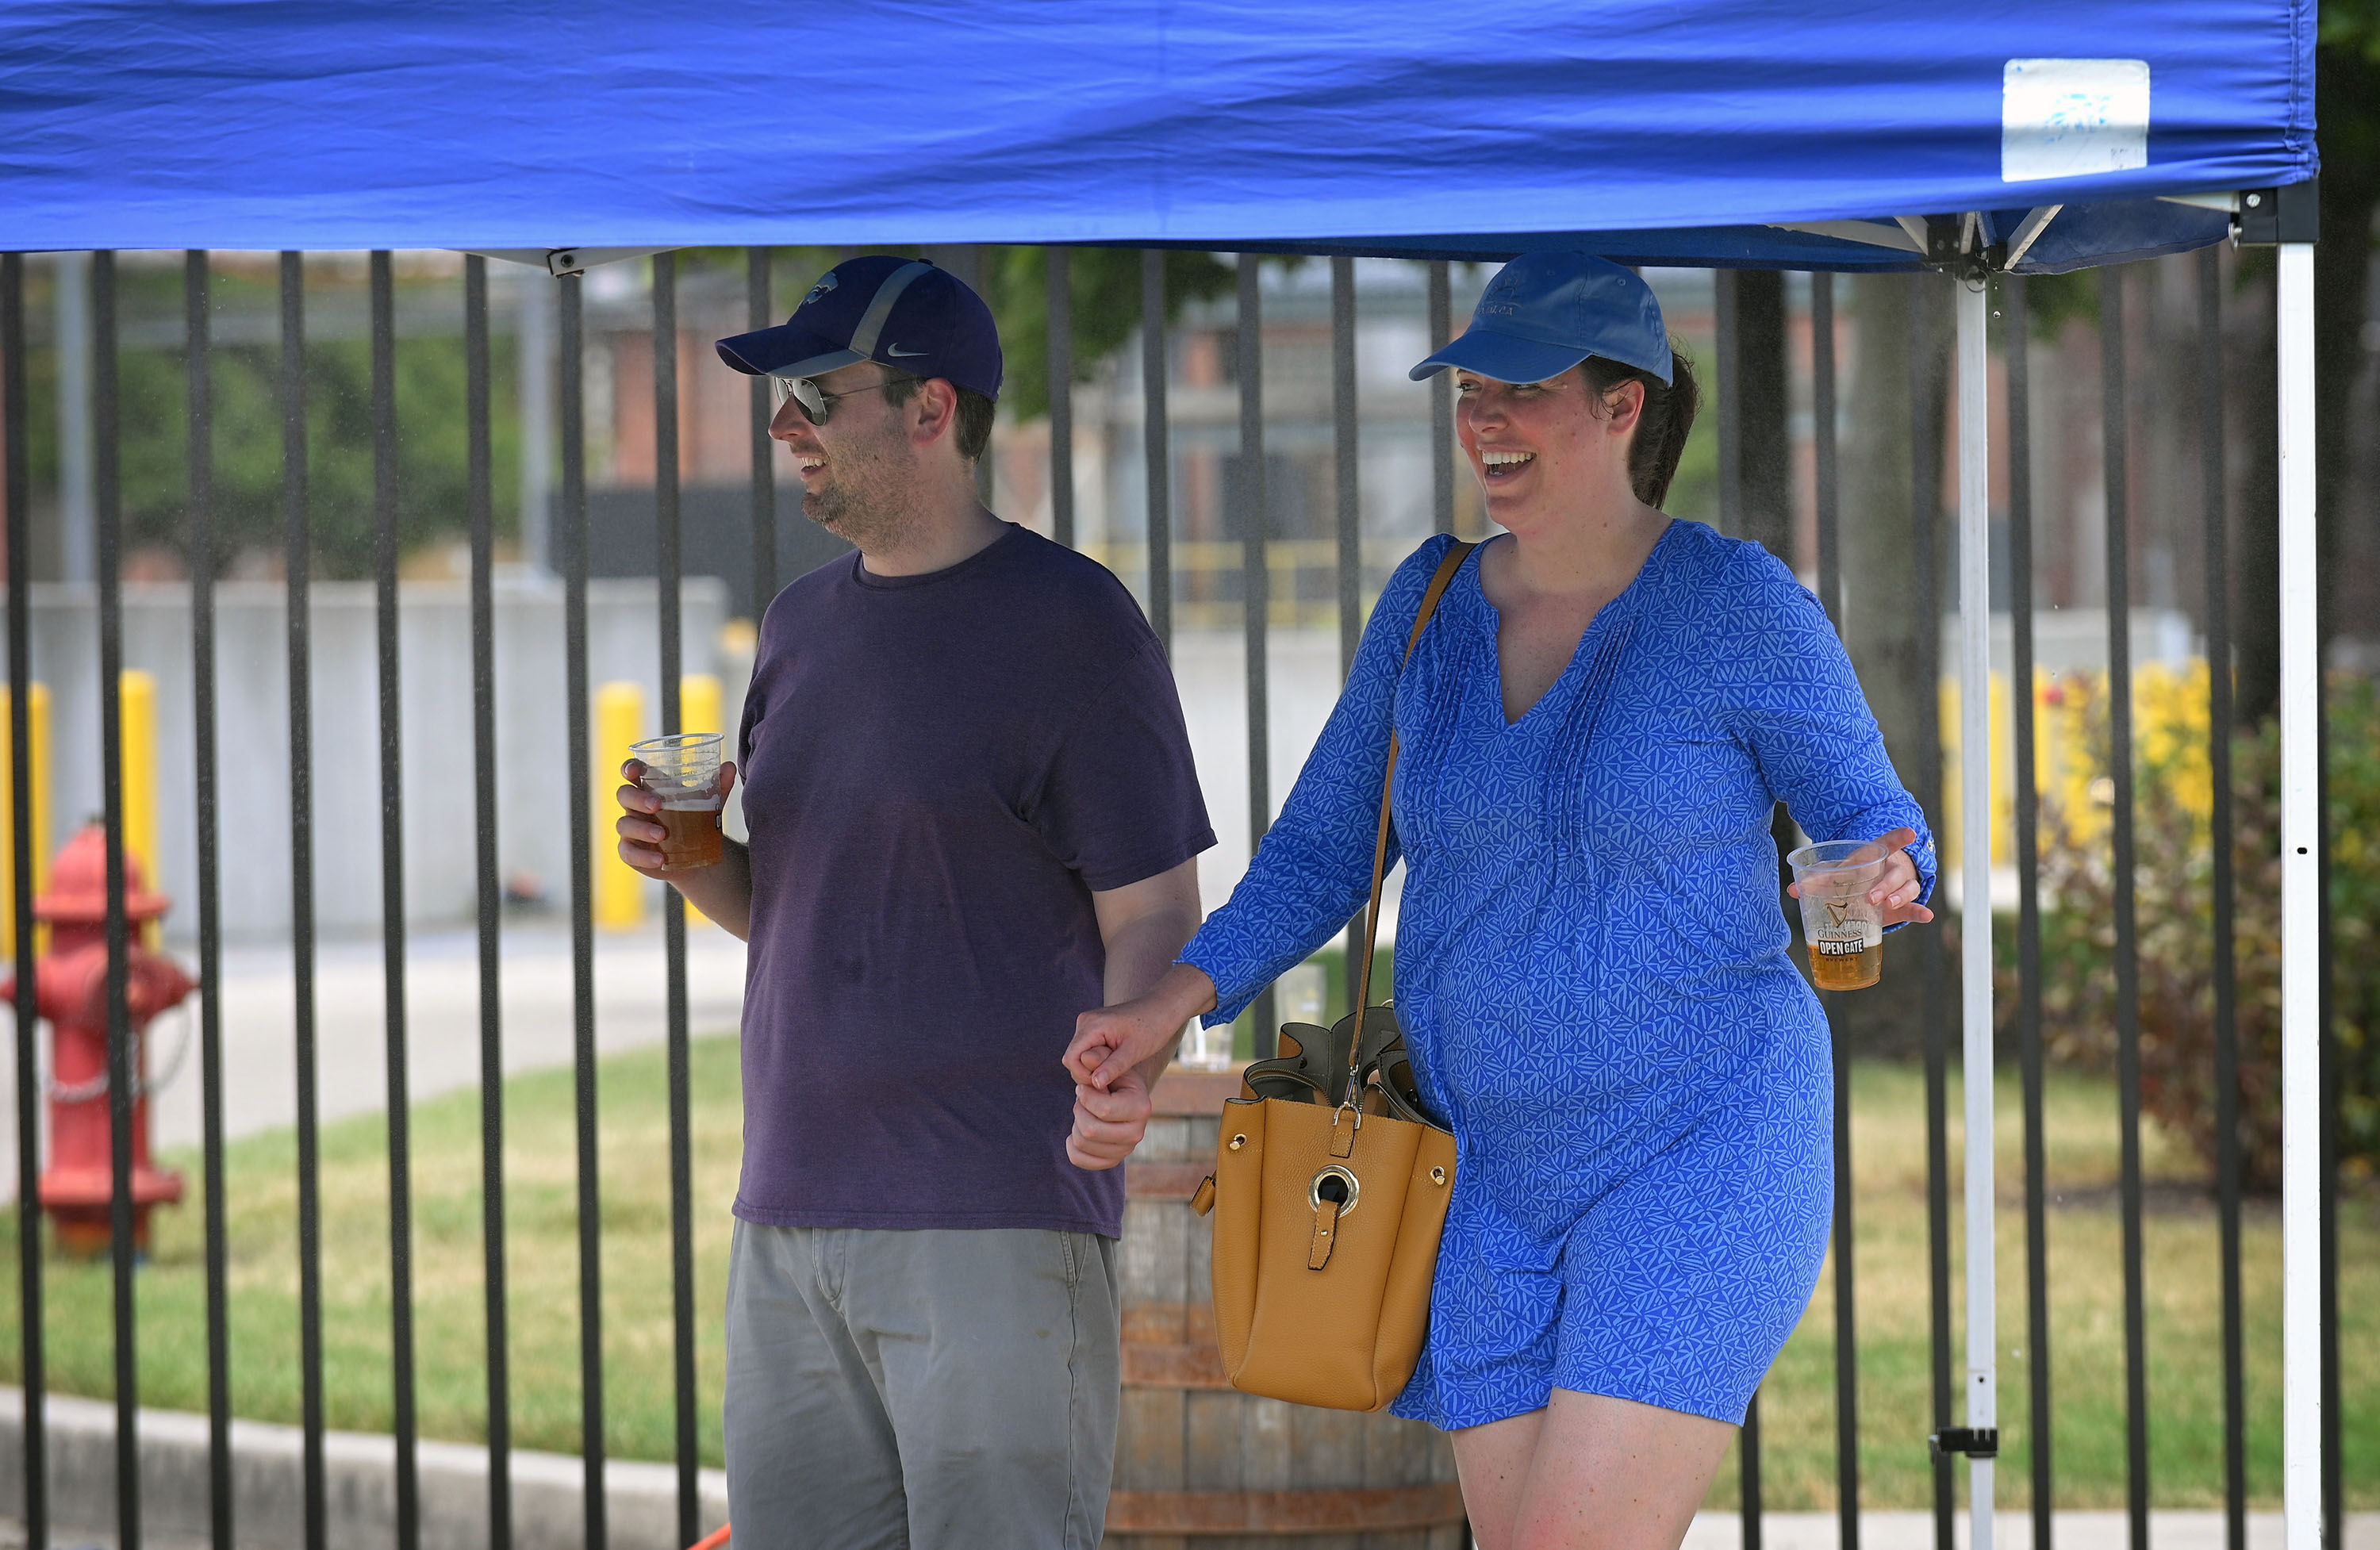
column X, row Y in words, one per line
column 975, row 413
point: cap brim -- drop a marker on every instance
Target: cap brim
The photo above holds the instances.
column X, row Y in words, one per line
column 786, row 351
column 1501, row 357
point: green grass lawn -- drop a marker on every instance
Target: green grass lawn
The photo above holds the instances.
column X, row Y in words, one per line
column 2185, row 1375
column 2182, row 1292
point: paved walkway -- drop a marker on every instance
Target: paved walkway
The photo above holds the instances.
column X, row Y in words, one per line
column 2011, row 1530
column 442, row 1012
column 1781, row 1530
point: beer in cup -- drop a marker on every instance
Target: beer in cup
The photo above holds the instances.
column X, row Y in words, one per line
column 682, row 771
column 1844, row 931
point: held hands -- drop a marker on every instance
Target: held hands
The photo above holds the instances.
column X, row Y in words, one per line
column 1109, row 1123
column 1111, row 1096
column 1110, row 1041
column 641, row 837
column 1895, row 893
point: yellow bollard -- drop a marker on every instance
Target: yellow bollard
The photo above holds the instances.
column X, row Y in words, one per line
column 698, row 703
column 137, row 692
column 698, row 711
column 37, row 717
column 2003, row 798
column 619, row 721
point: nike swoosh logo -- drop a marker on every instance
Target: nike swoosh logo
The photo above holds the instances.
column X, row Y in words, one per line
column 897, row 350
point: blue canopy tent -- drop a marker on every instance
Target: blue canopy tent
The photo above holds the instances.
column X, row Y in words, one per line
column 1707, row 133
column 2024, row 137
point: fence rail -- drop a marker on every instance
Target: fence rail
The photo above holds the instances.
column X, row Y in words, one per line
column 1280, row 583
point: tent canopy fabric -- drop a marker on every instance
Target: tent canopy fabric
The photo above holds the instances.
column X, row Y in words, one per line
column 1689, row 132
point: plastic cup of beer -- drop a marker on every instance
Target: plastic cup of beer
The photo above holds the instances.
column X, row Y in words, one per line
column 1845, row 932
column 682, row 771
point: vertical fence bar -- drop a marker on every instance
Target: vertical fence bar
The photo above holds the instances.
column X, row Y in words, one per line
column 1256, row 591
column 1347, row 487
column 196, row 281
column 2327, row 1139
column 2114, row 443
column 2219, row 716
column 1822, row 445
column 392, row 886
column 1060, row 262
column 1827, row 487
column 2028, row 904
column 1157, row 445
column 1346, row 463
column 1824, row 469
column 107, row 513
column 18, row 477
column 492, row 1030
column 2327, row 1051
column 1441, row 404
column 297, row 560
column 1725, row 348
column 1730, row 506
column 1925, row 440
column 681, row 1092
column 580, row 785
column 759, row 308
column 969, row 261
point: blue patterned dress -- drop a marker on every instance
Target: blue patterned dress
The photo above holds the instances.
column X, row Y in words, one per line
column 1592, row 967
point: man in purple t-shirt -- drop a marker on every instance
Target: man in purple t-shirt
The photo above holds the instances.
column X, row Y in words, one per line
column 972, row 816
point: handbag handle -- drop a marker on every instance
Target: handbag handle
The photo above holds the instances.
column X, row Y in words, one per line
column 1438, row 585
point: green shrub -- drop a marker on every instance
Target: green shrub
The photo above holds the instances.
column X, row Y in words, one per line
column 2174, row 903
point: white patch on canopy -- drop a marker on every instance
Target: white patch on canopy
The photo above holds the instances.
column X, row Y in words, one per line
column 2072, row 117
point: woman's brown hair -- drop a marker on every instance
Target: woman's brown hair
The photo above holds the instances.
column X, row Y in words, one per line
column 1661, row 429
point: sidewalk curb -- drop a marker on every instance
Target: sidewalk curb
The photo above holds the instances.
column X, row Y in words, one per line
column 359, row 1483
column 2074, row 1528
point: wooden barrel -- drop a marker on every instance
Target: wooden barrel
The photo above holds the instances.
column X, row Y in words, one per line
column 1201, row 1466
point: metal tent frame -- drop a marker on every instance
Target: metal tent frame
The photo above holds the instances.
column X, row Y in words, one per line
column 68, row 58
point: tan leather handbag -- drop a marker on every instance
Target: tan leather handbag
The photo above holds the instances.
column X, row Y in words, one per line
column 1329, row 1189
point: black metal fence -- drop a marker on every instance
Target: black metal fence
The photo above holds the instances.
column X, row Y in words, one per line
column 1157, row 590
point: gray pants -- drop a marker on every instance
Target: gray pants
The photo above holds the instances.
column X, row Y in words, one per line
column 923, row 1390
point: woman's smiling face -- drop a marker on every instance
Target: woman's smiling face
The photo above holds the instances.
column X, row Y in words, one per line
column 1539, row 447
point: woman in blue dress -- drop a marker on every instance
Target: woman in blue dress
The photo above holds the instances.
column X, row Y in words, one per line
column 1592, row 971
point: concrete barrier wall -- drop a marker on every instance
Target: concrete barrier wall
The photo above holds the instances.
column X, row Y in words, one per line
column 252, row 730
column 268, row 1485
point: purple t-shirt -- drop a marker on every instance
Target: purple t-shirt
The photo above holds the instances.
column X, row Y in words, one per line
column 939, row 771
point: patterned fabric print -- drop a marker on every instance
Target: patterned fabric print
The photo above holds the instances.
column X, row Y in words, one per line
column 1592, row 966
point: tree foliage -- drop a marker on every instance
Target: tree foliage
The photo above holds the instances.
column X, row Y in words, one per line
column 1103, row 286
column 432, row 491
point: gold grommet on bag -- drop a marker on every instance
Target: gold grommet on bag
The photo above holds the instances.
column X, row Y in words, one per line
column 1351, row 1188
column 1238, row 1142
column 1438, row 1175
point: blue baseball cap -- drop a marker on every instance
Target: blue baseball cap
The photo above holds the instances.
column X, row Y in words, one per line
column 902, row 313
column 1546, row 312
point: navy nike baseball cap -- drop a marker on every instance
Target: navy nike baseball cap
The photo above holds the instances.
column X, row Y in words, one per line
column 1546, row 312
column 902, row 313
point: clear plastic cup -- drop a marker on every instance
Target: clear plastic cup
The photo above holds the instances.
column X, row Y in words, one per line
column 1845, row 933
column 682, row 771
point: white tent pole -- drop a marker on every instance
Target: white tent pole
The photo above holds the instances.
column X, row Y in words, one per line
column 1975, row 881
column 2300, row 922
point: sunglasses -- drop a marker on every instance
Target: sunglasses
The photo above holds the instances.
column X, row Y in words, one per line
column 816, row 404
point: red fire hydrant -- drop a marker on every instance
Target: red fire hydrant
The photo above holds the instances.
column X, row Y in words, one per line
column 71, row 988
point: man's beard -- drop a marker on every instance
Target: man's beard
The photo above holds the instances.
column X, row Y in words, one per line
column 860, row 502
column 856, row 518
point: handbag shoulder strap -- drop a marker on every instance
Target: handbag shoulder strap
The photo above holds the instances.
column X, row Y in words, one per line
column 1438, row 585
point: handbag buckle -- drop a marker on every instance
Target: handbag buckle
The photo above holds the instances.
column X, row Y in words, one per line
column 1345, row 1145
